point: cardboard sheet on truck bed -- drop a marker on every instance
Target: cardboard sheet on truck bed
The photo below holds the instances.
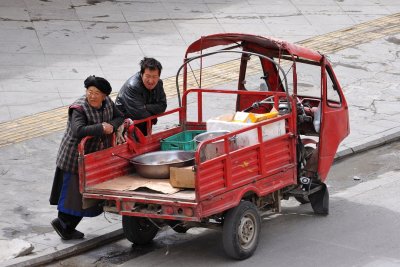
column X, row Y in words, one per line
column 134, row 182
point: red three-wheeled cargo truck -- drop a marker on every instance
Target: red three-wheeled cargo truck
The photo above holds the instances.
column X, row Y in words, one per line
column 273, row 114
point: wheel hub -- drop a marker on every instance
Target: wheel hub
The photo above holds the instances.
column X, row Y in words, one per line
column 246, row 231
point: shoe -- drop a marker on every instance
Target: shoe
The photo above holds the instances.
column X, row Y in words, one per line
column 75, row 234
column 64, row 233
column 61, row 231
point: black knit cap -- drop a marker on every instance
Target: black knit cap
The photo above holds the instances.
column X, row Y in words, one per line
column 98, row 82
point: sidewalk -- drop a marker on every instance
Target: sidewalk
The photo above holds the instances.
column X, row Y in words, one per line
column 109, row 38
column 49, row 47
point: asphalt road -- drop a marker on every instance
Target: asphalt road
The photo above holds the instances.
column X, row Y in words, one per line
column 361, row 229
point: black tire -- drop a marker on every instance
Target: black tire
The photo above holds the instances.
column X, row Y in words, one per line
column 320, row 201
column 241, row 231
column 138, row 230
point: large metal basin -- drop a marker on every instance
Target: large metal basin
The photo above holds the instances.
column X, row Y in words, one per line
column 157, row 164
column 216, row 148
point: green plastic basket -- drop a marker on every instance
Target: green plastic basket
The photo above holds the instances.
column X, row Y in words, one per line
column 181, row 141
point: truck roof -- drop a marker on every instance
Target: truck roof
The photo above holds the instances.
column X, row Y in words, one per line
column 263, row 42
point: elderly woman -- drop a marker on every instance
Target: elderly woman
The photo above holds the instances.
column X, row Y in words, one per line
column 93, row 114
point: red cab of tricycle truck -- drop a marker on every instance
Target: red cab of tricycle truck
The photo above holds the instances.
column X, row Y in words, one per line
column 295, row 116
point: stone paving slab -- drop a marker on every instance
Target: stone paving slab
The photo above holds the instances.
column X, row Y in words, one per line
column 41, row 35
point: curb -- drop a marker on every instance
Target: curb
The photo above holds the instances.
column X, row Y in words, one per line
column 371, row 144
column 70, row 251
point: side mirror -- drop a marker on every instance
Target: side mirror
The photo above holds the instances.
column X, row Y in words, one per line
column 283, row 108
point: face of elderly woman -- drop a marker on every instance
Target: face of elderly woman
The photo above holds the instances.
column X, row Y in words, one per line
column 95, row 97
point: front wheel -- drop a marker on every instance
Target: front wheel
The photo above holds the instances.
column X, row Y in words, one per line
column 138, row 230
column 320, row 200
column 241, row 231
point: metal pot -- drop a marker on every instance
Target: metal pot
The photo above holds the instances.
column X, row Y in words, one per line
column 157, row 164
column 216, row 148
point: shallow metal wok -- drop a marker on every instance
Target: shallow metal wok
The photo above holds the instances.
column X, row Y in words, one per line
column 157, row 164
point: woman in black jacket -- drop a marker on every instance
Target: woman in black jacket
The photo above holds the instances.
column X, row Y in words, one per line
column 93, row 114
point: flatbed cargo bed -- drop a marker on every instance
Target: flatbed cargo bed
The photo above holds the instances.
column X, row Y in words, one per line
column 133, row 185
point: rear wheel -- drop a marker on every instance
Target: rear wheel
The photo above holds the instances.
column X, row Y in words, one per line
column 138, row 230
column 241, row 231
